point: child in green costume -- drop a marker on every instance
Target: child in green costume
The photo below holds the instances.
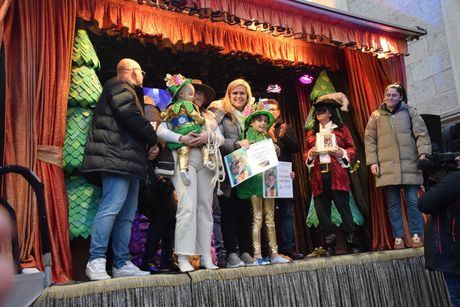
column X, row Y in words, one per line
column 185, row 117
column 263, row 209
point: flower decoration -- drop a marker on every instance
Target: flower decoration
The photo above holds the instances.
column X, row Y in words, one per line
column 174, row 80
column 248, row 109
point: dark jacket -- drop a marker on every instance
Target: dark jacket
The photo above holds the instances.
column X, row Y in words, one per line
column 119, row 134
column 442, row 236
column 288, row 144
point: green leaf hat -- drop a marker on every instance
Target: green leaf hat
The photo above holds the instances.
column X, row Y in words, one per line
column 175, row 83
column 259, row 108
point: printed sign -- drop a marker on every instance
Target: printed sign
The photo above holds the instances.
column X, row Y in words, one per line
column 277, row 181
column 245, row 163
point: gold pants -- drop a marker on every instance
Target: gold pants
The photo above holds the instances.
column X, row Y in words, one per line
column 263, row 209
column 183, row 156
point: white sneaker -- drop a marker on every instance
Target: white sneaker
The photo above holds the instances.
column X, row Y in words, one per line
column 95, row 269
column 30, row 270
column 184, row 263
column 206, row 262
column 129, row 269
column 279, row 259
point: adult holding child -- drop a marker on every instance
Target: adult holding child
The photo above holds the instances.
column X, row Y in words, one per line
column 236, row 213
column 192, row 180
column 396, row 137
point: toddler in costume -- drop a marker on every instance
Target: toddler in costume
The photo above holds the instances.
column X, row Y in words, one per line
column 184, row 116
column 263, row 209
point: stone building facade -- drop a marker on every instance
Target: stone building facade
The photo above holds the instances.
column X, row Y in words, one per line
column 433, row 63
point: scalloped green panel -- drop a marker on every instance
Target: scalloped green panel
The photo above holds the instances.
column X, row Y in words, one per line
column 83, row 204
column 78, row 122
column 83, row 53
column 85, row 87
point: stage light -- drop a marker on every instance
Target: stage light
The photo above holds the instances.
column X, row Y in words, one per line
column 306, row 79
column 274, row 88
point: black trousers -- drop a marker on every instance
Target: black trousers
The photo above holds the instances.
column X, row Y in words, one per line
column 236, row 222
column 162, row 226
column 323, row 204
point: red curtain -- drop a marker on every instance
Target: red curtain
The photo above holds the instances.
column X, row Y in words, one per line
column 151, row 22
column 368, row 78
column 38, row 49
column 301, row 21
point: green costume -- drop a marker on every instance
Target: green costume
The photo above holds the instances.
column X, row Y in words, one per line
column 253, row 185
column 185, row 117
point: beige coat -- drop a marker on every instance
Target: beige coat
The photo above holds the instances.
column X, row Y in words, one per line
column 395, row 142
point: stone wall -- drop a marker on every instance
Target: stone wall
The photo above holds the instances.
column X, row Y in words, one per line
column 431, row 67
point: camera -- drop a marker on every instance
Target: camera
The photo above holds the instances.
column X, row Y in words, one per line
column 437, row 165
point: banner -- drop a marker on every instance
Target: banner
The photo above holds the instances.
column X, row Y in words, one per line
column 245, row 163
column 277, row 181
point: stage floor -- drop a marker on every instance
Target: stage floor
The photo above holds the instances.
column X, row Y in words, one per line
column 386, row 278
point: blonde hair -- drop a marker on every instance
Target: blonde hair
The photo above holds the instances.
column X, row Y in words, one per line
column 227, row 104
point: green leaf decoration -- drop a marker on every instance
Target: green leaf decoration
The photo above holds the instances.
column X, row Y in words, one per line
column 83, row 204
column 78, row 122
column 323, row 86
column 312, row 218
column 83, row 53
column 85, row 87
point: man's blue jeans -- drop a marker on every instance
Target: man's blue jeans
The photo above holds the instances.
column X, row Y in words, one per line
column 115, row 216
column 393, row 195
column 453, row 286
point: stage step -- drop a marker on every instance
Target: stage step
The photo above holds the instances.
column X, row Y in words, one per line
column 27, row 288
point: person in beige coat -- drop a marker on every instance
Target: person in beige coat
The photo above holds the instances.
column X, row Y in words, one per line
column 396, row 138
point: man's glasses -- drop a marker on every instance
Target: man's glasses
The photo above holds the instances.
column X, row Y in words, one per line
column 137, row 68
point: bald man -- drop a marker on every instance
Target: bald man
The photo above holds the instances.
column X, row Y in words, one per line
column 120, row 140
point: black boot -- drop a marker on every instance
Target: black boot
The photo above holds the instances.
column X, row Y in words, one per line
column 353, row 243
column 330, row 245
column 169, row 264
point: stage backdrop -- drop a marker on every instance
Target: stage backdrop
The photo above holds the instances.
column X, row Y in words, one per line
column 38, row 38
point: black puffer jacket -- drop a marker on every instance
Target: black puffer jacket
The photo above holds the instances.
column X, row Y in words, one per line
column 442, row 237
column 119, row 134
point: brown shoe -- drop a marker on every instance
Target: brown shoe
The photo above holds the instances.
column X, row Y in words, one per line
column 399, row 243
column 417, row 241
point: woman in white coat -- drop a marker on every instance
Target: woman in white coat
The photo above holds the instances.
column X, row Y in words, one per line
column 194, row 209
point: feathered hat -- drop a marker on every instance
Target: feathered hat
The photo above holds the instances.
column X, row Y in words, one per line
column 259, row 108
column 175, row 83
column 338, row 100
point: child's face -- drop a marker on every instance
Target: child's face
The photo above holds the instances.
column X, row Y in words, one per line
column 260, row 123
column 270, row 180
column 186, row 93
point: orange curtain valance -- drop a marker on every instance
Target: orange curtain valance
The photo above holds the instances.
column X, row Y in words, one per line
column 284, row 18
column 145, row 20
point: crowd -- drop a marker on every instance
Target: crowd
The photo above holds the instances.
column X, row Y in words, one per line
column 131, row 144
